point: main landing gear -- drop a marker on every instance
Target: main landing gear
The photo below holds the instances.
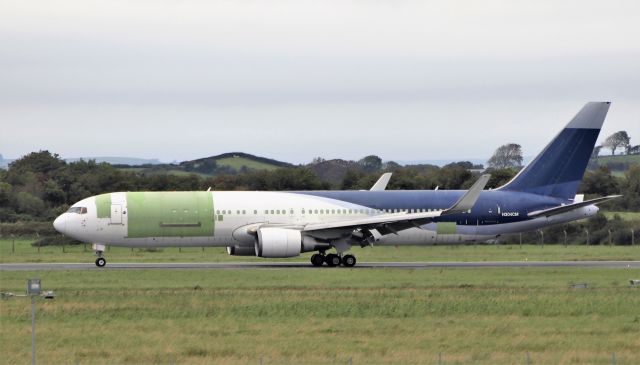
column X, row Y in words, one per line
column 333, row 260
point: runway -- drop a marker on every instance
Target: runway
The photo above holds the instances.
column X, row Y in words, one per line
column 305, row 265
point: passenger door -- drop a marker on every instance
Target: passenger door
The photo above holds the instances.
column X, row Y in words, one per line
column 116, row 214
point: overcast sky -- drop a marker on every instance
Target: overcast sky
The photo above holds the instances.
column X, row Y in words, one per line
column 292, row 80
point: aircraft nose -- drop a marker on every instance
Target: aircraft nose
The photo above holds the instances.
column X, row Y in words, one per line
column 60, row 224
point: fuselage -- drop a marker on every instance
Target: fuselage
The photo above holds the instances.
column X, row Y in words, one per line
column 199, row 218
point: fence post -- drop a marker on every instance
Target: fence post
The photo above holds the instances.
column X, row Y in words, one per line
column 439, row 358
column 520, row 239
column 85, row 247
column 13, row 242
column 63, row 250
column 586, row 230
column 565, row 237
column 528, row 359
column 609, row 237
column 613, row 358
column 632, row 238
column 179, row 249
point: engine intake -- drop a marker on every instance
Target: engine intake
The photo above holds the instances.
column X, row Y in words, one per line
column 278, row 242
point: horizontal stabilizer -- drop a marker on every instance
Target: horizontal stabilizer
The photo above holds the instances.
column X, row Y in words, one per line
column 566, row 208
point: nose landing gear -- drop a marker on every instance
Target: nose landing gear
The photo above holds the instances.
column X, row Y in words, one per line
column 100, row 262
column 99, row 250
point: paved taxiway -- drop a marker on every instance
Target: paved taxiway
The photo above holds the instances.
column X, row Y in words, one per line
column 304, row 265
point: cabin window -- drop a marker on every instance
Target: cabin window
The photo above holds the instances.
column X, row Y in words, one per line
column 255, row 212
column 244, row 212
column 266, row 211
column 272, row 211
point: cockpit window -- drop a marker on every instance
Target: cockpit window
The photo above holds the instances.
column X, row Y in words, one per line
column 77, row 210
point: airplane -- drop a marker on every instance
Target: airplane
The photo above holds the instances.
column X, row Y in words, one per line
column 287, row 223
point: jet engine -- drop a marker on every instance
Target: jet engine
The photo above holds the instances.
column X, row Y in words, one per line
column 278, row 242
column 241, row 251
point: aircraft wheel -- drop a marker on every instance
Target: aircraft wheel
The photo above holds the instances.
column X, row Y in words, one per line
column 100, row 262
column 317, row 259
column 349, row 261
column 333, row 260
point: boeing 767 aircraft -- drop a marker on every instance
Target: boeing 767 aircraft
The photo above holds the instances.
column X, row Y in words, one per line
column 286, row 224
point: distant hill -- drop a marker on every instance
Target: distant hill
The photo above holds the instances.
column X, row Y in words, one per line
column 133, row 161
column 226, row 163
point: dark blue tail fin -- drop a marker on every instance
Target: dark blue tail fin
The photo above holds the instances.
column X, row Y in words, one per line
column 557, row 171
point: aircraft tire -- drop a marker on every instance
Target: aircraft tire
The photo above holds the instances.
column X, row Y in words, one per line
column 333, row 260
column 317, row 259
column 100, row 262
column 349, row 261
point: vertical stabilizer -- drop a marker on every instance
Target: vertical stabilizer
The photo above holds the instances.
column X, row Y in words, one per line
column 558, row 170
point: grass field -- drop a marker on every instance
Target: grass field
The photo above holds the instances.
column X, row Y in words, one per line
column 24, row 252
column 237, row 163
column 326, row 316
column 627, row 216
column 619, row 158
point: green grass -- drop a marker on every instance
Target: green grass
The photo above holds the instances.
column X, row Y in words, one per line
column 627, row 216
column 24, row 252
column 237, row 163
column 326, row 316
column 619, row 158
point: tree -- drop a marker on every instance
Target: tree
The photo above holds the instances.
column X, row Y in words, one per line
column 599, row 182
column 371, row 163
column 508, row 155
column 618, row 139
column 40, row 162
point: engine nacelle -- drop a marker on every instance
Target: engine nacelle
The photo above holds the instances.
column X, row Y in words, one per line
column 278, row 242
column 241, row 251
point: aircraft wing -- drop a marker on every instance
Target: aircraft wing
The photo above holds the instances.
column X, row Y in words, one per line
column 566, row 208
column 392, row 223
